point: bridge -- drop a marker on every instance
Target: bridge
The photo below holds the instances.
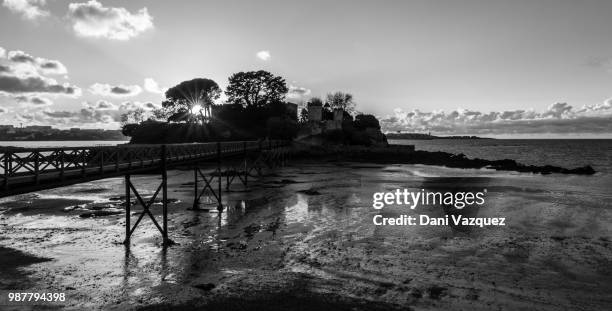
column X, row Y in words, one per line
column 25, row 170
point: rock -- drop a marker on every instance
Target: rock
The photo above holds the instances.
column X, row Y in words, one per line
column 72, row 208
column 206, row 286
column 310, row 192
column 100, row 213
column 435, row 292
column 401, row 155
column 416, row 293
column 251, row 229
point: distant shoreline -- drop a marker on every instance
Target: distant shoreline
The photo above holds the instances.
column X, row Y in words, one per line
column 1, row 140
column 419, row 136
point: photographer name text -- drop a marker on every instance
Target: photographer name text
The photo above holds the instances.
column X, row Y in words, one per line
column 414, row 199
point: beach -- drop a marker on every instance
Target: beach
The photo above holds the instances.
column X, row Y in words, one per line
column 303, row 236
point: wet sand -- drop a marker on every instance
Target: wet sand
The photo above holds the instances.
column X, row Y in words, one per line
column 303, row 239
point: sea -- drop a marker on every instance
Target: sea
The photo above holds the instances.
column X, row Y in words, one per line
column 61, row 143
column 567, row 153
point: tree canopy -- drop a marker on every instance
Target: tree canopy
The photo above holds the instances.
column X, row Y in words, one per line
column 315, row 101
column 184, row 98
column 255, row 88
column 364, row 121
column 339, row 100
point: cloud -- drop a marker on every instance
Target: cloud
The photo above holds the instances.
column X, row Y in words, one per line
column 21, row 78
column 33, row 100
column 2, row 52
column 152, row 86
column 264, row 55
column 115, row 91
column 101, row 105
column 21, row 57
column 45, row 66
column 557, row 118
column 297, row 92
column 14, row 84
column 51, row 67
column 102, row 114
column 29, row 9
column 128, row 106
column 3, row 110
column 92, row 19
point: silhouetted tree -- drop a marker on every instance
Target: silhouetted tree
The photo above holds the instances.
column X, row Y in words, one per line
column 130, row 120
column 364, row 121
column 133, row 116
column 255, row 88
column 315, row 101
column 128, row 129
column 327, row 112
column 184, row 98
column 339, row 100
column 303, row 115
column 162, row 114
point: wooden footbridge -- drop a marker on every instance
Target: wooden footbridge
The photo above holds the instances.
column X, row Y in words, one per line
column 25, row 170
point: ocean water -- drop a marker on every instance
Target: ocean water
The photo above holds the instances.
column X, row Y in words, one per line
column 567, row 153
column 61, row 143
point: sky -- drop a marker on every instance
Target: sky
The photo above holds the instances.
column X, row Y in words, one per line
column 534, row 68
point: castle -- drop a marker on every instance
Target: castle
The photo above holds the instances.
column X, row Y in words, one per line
column 316, row 123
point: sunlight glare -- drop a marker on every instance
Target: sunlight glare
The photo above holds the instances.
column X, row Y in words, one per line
column 196, row 109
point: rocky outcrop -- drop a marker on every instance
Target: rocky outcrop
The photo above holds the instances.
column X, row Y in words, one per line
column 400, row 154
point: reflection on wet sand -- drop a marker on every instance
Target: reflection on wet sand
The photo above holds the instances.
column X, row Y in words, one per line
column 458, row 185
column 310, row 243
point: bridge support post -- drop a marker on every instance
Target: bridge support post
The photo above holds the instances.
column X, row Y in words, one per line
column 164, row 173
column 7, row 169
column 128, row 212
column 163, row 187
column 196, row 197
column 246, row 172
column 220, row 205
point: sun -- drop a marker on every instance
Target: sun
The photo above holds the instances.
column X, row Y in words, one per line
column 196, row 109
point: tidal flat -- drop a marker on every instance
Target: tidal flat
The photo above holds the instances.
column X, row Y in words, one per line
column 302, row 238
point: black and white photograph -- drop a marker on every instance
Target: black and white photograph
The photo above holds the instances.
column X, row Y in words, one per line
column 305, row 155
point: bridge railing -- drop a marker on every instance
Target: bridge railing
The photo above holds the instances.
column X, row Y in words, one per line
column 29, row 164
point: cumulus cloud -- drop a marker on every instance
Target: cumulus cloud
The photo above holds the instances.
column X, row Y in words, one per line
column 101, row 113
column 297, row 92
column 557, row 118
column 264, row 55
column 101, row 105
column 152, row 86
column 14, row 84
column 22, row 78
column 128, row 106
column 51, row 67
column 92, row 19
column 45, row 66
column 115, row 91
column 20, row 57
column 33, row 100
column 29, row 9
column 2, row 52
